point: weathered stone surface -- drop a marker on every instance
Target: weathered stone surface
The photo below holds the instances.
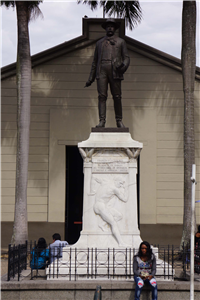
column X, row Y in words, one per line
column 110, row 196
column 84, row 290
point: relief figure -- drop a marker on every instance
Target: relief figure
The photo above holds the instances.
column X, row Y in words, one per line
column 106, row 191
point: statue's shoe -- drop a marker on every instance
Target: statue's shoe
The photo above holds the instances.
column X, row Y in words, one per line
column 101, row 124
column 120, row 124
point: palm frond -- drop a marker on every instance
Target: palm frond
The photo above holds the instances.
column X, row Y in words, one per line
column 8, row 3
column 130, row 10
column 34, row 10
column 93, row 4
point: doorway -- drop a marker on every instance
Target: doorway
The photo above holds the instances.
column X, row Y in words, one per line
column 74, row 194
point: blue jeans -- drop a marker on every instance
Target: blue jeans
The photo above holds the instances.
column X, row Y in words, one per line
column 139, row 285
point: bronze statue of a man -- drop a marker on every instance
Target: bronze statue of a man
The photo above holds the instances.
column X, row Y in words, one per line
column 110, row 62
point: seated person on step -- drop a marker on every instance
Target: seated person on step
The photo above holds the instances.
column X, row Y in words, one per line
column 144, row 268
column 39, row 255
column 56, row 247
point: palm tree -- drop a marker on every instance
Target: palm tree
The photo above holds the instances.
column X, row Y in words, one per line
column 188, row 58
column 129, row 10
column 26, row 10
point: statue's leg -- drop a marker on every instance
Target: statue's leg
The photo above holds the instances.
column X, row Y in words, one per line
column 102, row 88
column 106, row 215
column 118, row 111
column 102, row 112
column 115, row 87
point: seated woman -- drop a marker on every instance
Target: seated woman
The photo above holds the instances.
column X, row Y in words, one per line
column 40, row 255
column 197, row 252
column 144, row 268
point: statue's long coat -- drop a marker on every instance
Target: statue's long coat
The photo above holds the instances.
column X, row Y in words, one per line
column 119, row 55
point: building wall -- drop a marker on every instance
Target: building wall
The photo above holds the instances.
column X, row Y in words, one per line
column 63, row 112
column 38, row 157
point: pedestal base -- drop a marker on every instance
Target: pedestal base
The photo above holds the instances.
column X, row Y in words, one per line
column 110, row 236
column 106, row 240
column 110, row 191
column 98, row 263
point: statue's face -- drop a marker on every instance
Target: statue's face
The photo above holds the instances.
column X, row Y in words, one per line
column 110, row 29
column 119, row 183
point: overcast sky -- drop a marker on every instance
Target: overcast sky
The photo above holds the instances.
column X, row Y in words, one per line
column 62, row 21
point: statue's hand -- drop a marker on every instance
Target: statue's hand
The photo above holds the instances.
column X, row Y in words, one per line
column 88, row 83
column 121, row 68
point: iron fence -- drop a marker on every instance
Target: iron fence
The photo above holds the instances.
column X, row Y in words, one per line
column 76, row 264
column 17, row 259
column 93, row 263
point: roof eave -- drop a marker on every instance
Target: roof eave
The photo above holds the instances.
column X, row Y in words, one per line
column 52, row 53
column 83, row 41
column 157, row 55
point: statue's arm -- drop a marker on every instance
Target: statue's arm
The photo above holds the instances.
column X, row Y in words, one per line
column 125, row 58
column 93, row 68
column 121, row 194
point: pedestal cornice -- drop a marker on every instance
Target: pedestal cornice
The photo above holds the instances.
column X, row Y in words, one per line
column 110, row 140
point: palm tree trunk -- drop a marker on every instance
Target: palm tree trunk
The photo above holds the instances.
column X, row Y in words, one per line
column 188, row 58
column 20, row 227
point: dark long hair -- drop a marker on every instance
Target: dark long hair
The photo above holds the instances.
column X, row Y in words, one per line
column 41, row 245
column 149, row 250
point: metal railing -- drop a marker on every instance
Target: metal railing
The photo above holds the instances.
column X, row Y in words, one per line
column 17, row 259
column 76, row 264
column 93, row 263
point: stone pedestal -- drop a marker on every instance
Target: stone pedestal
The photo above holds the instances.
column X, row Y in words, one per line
column 110, row 191
column 110, row 234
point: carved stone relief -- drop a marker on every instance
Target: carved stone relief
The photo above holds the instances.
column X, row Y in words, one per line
column 89, row 153
column 109, row 186
column 107, row 190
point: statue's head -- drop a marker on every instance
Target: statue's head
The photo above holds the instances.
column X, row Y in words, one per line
column 110, row 26
column 119, row 181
